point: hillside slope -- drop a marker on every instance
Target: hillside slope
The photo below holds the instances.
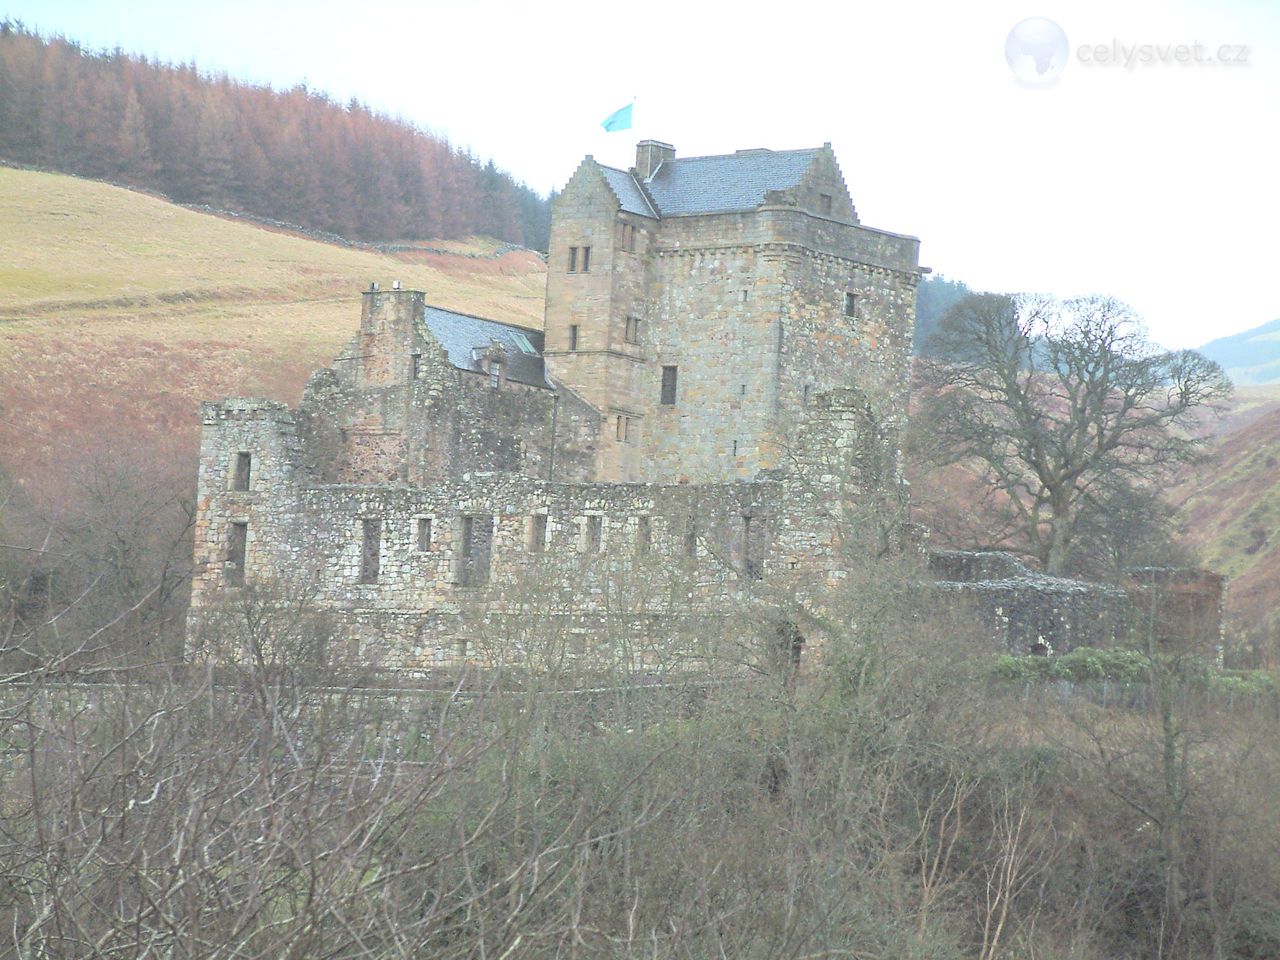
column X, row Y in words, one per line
column 1229, row 509
column 1251, row 357
column 119, row 312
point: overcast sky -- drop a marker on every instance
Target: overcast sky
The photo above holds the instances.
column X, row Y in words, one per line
column 1155, row 183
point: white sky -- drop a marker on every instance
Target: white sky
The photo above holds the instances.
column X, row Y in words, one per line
column 1157, row 184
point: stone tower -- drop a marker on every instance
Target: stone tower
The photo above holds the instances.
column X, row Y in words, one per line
column 700, row 302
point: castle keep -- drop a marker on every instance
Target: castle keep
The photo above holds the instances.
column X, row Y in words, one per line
column 717, row 391
column 723, row 343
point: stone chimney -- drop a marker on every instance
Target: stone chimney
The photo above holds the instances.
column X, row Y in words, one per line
column 650, row 154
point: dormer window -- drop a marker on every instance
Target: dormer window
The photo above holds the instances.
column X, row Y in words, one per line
column 495, row 373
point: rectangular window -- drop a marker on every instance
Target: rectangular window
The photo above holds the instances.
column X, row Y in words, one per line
column 586, row 259
column 240, row 476
column 462, row 649
column 237, row 540
column 595, row 534
column 495, row 374
column 622, row 428
column 824, row 202
column 735, row 448
column 669, row 385
column 415, row 366
column 424, row 534
column 631, row 239
column 744, row 295
column 644, row 535
column 850, row 305
column 691, row 537
column 754, row 538
column 632, row 332
column 573, row 336
column 573, row 259
column 537, row 533
column 370, row 550
column 475, row 548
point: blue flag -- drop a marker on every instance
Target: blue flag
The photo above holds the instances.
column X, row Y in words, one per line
column 619, row 119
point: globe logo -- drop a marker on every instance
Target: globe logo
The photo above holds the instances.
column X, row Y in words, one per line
column 1036, row 49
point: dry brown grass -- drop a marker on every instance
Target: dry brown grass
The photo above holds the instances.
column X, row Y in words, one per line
column 119, row 312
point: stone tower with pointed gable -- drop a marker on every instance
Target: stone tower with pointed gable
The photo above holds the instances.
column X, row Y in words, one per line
column 700, row 302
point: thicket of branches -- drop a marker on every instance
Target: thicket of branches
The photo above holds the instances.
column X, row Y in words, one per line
column 880, row 800
column 293, row 156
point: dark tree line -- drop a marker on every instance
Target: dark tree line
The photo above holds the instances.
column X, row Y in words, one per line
column 294, row 156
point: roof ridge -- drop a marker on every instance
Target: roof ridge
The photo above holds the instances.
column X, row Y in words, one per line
column 476, row 316
column 750, row 152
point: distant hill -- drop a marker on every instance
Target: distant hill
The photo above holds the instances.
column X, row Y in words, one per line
column 293, row 156
column 1251, row 357
column 120, row 312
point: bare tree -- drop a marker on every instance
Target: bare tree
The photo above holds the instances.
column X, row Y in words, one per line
column 1056, row 400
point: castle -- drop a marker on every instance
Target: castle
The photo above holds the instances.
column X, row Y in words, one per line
column 718, row 388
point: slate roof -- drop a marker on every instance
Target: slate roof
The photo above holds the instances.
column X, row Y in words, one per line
column 631, row 196
column 465, row 338
column 729, row 183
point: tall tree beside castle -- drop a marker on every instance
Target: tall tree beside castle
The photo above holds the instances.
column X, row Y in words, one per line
column 294, row 156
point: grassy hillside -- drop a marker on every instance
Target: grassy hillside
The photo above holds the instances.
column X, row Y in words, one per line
column 1229, row 508
column 119, row 312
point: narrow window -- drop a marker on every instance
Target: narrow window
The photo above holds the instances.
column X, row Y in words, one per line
column 742, row 389
column 824, row 203
column 753, row 542
column 371, row 551
column 240, row 476
column 806, row 394
column 586, row 259
column 424, row 534
column 573, row 336
column 595, row 533
column 632, row 332
column 237, row 539
column 573, row 259
column 669, row 385
column 735, row 448
column 644, row 535
column 462, row 649
column 691, row 537
column 475, row 549
column 744, row 295
column 621, row 429
column 495, row 374
column 631, row 240
column 537, row 533
column 415, row 366
column 850, row 305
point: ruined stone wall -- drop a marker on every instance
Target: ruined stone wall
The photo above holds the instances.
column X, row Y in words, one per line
column 1026, row 612
column 636, row 558
column 368, row 419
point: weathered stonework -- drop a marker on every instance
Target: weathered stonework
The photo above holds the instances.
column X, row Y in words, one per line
column 443, row 496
